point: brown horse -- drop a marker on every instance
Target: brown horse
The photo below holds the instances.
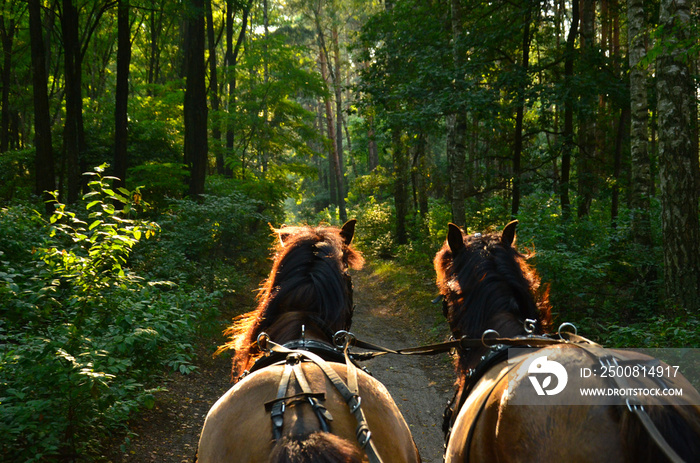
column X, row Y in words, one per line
column 486, row 284
column 288, row 408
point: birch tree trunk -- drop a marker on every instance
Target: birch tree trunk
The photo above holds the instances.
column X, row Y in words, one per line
column 678, row 157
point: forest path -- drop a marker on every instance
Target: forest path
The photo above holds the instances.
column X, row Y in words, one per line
column 419, row 385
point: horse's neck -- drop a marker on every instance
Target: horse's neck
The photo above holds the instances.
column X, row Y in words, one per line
column 295, row 326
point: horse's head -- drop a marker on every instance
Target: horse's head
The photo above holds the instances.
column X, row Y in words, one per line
column 308, row 286
column 486, row 284
column 310, row 276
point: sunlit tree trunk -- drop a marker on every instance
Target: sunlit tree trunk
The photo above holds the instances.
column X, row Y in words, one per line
column 333, row 134
column 678, row 157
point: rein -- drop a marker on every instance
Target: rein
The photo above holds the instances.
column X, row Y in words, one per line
column 349, row 391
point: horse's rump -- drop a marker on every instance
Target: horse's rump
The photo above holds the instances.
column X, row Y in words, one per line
column 239, row 428
column 495, row 425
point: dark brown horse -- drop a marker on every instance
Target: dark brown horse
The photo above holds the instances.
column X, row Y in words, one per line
column 486, row 284
column 290, row 409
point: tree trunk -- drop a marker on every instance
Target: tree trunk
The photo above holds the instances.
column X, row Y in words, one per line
column 401, row 181
column 457, row 125
column 73, row 134
column 44, row 163
column 7, row 33
column 678, row 158
column 617, row 166
column 122, row 92
column 336, row 167
column 587, row 127
column 640, row 193
column 214, row 90
column 195, row 108
column 156, row 25
column 231, row 60
column 519, row 114
column 568, row 133
column 337, row 84
column 372, row 151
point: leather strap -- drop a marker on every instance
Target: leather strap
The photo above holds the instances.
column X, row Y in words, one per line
column 352, row 399
column 637, row 409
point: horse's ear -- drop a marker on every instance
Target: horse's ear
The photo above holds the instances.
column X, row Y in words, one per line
column 348, row 231
column 454, row 238
column 508, row 235
column 282, row 235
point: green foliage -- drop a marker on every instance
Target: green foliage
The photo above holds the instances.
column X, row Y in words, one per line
column 226, row 228
column 600, row 278
column 15, row 181
column 82, row 336
column 160, row 181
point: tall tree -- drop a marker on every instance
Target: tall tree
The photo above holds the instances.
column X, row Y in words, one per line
column 214, row 88
column 8, row 28
column 587, row 127
column 73, row 131
column 44, row 163
column 121, row 119
column 520, row 109
column 195, row 108
column 678, row 156
column 568, row 133
column 334, row 135
column 231, row 58
column 640, row 193
column 457, row 121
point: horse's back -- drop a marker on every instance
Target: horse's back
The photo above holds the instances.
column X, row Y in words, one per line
column 238, row 428
column 496, row 424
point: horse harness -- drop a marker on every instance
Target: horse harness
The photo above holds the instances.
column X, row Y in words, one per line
column 499, row 354
column 293, row 354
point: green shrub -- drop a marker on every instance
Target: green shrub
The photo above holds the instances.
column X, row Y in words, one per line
column 83, row 337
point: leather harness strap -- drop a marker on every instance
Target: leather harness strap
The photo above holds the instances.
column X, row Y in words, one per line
column 636, row 408
column 349, row 392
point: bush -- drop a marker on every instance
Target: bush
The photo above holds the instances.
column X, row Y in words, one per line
column 83, row 337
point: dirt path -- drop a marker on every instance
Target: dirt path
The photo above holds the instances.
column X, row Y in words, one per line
column 419, row 385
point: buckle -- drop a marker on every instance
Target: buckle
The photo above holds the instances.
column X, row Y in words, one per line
column 363, row 435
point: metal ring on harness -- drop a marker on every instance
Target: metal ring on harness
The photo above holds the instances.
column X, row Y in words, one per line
column 483, row 337
column 565, row 324
column 343, row 339
column 529, row 325
column 262, row 342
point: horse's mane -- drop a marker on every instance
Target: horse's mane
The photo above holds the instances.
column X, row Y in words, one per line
column 308, row 284
column 487, row 284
